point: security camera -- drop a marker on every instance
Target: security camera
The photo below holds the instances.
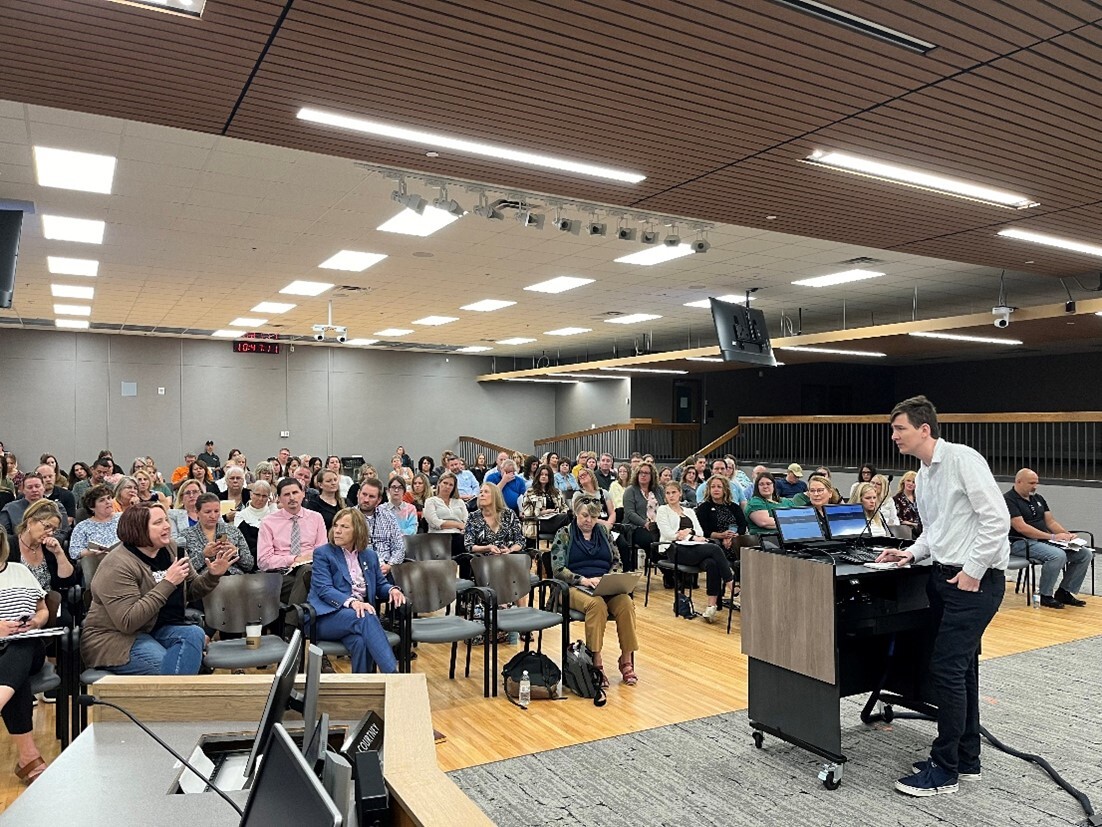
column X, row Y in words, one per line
column 626, row 233
column 595, row 228
column 701, row 246
column 319, row 336
column 1002, row 316
column 342, row 338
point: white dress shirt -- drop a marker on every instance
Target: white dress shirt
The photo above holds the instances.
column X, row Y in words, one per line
column 964, row 517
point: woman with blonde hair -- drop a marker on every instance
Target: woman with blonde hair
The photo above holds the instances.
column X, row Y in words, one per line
column 884, row 503
column 905, row 504
column 869, row 498
column 185, row 514
column 146, row 492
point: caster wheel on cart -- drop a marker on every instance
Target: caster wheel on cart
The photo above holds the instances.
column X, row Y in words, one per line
column 758, row 739
column 889, row 713
column 831, row 783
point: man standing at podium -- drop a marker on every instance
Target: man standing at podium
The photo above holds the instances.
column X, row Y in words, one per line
column 965, row 529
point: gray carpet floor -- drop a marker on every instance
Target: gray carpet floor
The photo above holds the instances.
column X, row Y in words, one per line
column 707, row 771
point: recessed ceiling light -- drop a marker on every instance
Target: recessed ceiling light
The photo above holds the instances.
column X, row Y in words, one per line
column 351, row 260
column 361, row 342
column 568, row 331
column 72, row 310
column 558, row 285
column 656, row 255
column 1053, row 241
column 703, row 359
column 833, row 352
column 730, row 298
column 273, row 307
column 516, row 340
column 425, row 223
column 918, row 179
column 227, row 334
column 486, row 305
column 434, row 321
column 60, row 266
column 474, row 349
column 439, row 141
column 546, row 381
column 65, row 169
column 633, row 318
column 68, row 291
column 647, row 370
column 306, row 288
column 188, row 8
column 960, row 337
column 72, row 324
column 246, row 321
column 391, row 332
column 838, row 278
column 82, row 230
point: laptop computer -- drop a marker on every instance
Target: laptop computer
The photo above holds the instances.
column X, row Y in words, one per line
column 614, row 584
column 846, row 521
column 799, row 528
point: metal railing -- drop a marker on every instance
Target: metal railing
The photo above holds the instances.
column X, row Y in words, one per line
column 1058, row 446
column 669, row 442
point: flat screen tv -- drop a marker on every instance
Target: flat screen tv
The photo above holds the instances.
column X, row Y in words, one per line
column 743, row 336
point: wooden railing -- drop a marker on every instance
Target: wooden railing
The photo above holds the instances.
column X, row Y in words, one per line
column 1066, row 445
column 469, row 447
column 726, row 443
column 667, row 441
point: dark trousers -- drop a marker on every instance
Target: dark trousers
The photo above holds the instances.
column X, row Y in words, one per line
column 637, row 537
column 709, row 557
column 363, row 637
column 18, row 661
column 295, row 590
column 960, row 619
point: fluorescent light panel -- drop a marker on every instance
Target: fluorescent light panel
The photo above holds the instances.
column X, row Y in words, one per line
column 730, row 298
column 306, row 288
column 391, row 332
column 72, row 310
column 81, row 230
column 69, row 291
column 647, row 370
column 633, row 318
column 546, row 381
column 838, row 278
column 408, row 222
column 351, row 260
column 858, row 24
column 487, row 305
column 361, row 342
column 655, row 255
column 558, row 285
column 436, row 321
column 568, row 331
column 225, row 333
column 69, row 170
column 247, row 321
column 589, row 376
column 516, row 340
column 1052, row 241
column 474, row 349
column 273, row 307
column 438, row 141
column 960, row 337
column 834, row 352
column 72, row 324
column 920, row 180
column 61, row 266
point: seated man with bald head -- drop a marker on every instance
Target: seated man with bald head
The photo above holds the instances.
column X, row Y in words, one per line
column 1032, row 531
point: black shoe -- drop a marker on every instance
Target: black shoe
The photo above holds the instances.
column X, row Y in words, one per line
column 1051, row 602
column 1069, row 599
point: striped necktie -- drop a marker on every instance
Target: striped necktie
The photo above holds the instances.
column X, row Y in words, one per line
column 296, row 537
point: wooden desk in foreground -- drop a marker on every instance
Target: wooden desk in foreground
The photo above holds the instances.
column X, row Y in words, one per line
column 421, row 794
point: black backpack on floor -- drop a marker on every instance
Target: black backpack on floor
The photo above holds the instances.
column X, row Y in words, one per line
column 581, row 676
column 543, row 676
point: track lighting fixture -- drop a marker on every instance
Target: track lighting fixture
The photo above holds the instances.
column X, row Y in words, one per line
column 486, row 210
column 410, row 202
column 528, row 218
column 672, row 238
column 448, row 205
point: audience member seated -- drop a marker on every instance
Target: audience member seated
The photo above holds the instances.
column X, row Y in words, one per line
column 467, row 484
column 366, row 472
column 419, row 491
column 305, row 480
column 146, row 493
column 404, row 513
column 78, row 472
column 182, row 472
column 527, row 467
column 640, row 508
column 543, row 508
column 792, row 483
column 99, row 531
column 760, row 508
column 665, row 475
column 906, row 506
column 493, row 528
column 345, row 586
column 101, row 470
column 820, row 493
column 509, row 482
column 581, row 554
column 742, row 487
column 35, row 546
column 425, row 466
column 326, row 500
column 265, row 471
column 884, row 500
column 236, row 494
column 383, row 531
column 333, row 463
column 287, row 539
column 248, row 519
column 689, row 483
column 185, row 515
column 721, row 518
column 1033, row 532
column 51, row 491
column 126, row 493
column 291, row 466
column 617, row 487
column 13, row 473
column 677, row 525
column 719, row 469
column 22, row 609
column 136, row 623
column 864, row 474
column 34, row 489
column 868, row 497
column 565, row 482
column 406, row 459
column 821, row 471
column 588, row 489
column 211, row 535
column 60, row 480
column 446, row 513
column 399, row 470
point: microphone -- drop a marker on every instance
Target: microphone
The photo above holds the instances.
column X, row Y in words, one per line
column 92, row 700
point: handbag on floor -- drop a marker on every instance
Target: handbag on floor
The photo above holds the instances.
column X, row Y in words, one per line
column 581, row 676
column 543, row 676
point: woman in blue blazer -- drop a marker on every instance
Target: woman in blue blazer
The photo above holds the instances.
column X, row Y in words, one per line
column 345, row 583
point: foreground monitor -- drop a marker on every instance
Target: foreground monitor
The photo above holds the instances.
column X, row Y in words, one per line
column 286, row 791
column 742, row 334
column 279, row 696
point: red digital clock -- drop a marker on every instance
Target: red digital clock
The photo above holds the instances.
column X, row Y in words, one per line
column 255, row 346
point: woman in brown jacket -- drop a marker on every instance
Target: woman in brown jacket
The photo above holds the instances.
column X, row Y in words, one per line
column 136, row 623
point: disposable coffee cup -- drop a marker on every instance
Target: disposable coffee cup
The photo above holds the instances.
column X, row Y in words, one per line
column 252, row 636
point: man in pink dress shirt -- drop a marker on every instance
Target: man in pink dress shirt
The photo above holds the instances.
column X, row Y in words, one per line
column 287, row 539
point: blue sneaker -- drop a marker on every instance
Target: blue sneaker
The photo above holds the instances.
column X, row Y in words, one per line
column 933, row 780
column 969, row 775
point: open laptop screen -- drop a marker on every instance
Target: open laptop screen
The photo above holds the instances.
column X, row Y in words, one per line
column 798, row 525
column 845, row 520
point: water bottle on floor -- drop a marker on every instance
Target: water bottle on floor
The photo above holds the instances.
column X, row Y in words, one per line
column 524, row 695
column 1036, row 600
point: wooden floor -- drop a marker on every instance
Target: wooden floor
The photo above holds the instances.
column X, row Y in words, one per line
column 687, row 670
